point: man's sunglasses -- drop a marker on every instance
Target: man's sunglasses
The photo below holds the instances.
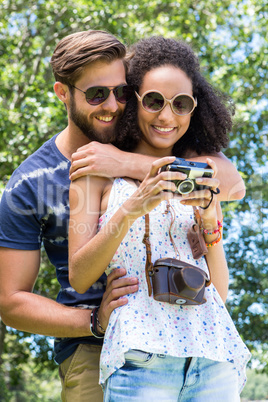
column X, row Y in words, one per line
column 155, row 101
column 97, row 95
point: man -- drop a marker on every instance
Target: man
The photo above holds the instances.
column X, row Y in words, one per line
column 90, row 77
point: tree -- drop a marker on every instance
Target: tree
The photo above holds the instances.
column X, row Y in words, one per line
column 229, row 37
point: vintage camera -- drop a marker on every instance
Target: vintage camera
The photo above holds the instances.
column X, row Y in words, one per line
column 193, row 170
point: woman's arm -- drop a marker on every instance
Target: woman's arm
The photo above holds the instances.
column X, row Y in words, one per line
column 91, row 252
column 216, row 261
column 216, row 257
column 210, row 216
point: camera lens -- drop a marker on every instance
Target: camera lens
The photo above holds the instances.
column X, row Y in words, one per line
column 185, row 187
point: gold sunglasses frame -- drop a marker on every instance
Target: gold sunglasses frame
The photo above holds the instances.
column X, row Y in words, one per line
column 166, row 101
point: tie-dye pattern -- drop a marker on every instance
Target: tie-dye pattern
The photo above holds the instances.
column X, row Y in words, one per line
column 34, row 213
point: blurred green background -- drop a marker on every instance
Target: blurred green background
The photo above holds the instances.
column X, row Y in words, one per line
column 230, row 38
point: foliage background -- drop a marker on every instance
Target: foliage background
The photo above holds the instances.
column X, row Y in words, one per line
column 230, row 39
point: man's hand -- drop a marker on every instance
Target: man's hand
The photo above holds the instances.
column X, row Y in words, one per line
column 97, row 159
column 108, row 161
column 117, row 287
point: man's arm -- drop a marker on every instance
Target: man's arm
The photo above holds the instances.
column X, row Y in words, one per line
column 232, row 186
column 106, row 160
column 231, row 183
column 26, row 311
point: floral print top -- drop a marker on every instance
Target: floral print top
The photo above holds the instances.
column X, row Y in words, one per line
column 205, row 330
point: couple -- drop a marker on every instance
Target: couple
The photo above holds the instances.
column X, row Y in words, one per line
column 34, row 207
column 155, row 349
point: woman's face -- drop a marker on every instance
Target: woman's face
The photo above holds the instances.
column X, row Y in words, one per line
column 161, row 130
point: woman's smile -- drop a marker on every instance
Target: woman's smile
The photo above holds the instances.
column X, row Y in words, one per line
column 161, row 130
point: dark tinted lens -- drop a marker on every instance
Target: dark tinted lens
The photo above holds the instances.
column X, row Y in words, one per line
column 183, row 104
column 97, row 95
column 153, row 101
column 123, row 93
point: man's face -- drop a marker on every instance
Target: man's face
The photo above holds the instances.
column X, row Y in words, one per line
column 98, row 123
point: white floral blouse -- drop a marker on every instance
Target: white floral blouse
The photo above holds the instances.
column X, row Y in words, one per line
column 155, row 327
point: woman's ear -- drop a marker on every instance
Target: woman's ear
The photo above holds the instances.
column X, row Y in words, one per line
column 62, row 91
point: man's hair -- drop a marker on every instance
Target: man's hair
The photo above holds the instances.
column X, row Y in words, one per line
column 212, row 118
column 76, row 51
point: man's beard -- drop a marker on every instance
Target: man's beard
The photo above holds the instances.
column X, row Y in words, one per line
column 105, row 136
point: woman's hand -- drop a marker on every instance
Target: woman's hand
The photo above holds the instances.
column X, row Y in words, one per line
column 155, row 188
column 205, row 199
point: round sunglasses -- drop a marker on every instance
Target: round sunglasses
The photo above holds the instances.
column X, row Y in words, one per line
column 97, row 95
column 155, row 101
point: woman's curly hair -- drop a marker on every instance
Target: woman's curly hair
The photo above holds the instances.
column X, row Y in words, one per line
column 212, row 118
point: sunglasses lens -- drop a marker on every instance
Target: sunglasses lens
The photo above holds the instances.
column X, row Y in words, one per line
column 183, row 105
column 153, row 101
column 123, row 93
column 97, row 95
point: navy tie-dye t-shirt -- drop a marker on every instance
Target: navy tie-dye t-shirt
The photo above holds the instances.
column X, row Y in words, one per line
column 34, row 212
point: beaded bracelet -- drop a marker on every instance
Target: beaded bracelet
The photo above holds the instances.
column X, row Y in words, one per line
column 93, row 323
column 214, row 231
column 213, row 243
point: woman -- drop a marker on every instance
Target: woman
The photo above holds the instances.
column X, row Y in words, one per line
column 155, row 349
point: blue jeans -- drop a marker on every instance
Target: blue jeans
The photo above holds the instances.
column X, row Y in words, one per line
column 151, row 377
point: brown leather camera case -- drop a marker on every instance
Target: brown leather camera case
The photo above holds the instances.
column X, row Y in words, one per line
column 175, row 281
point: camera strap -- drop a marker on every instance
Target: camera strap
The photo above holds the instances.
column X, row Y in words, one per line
column 149, row 267
column 196, row 238
column 173, row 216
